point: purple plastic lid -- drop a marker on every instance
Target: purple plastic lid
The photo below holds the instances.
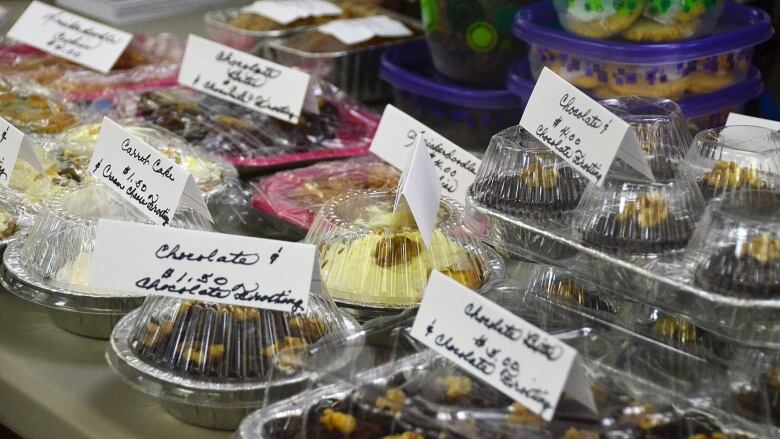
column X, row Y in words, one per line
column 520, row 83
column 739, row 27
column 409, row 67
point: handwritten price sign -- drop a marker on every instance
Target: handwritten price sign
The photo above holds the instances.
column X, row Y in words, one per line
column 187, row 264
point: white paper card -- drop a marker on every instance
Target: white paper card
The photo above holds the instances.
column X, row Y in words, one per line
column 397, row 133
column 358, row 30
column 243, row 79
column 188, row 264
column 515, row 357
column 580, row 130
column 14, row 145
column 419, row 186
column 288, row 11
column 143, row 176
column 741, row 119
column 70, row 36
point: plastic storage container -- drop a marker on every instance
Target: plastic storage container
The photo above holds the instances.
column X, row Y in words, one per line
column 212, row 364
column 354, row 68
column 374, row 262
column 471, row 41
column 702, row 111
column 51, row 266
column 640, row 20
column 465, row 115
column 401, row 389
column 669, row 70
column 247, row 31
column 290, row 200
column 253, row 141
column 149, row 62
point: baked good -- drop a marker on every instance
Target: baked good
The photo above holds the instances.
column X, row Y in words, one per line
column 665, row 81
column 729, row 176
column 720, row 71
column 581, row 72
column 652, row 31
column 32, row 112
column 599, row 18
column 220, row 341
column 751, row 269
column 313, row 41
column 670, row 20
column 8, row 225
column 759, row 401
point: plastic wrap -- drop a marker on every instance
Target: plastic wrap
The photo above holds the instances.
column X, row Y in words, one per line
column 291, row 199
column 736, row 158
column 641, row 20
column 212, row 364
column 51, row 266
column 354, row 69
column 245, row 30
column 471, row 42
column 10, row 221
column 253, row 141
column 149, row 62
column 400, row 388
column 33, row 110
column 608, row 69
column 374, row 261
column 466, row 115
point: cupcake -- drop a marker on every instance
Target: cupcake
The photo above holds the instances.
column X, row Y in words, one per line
column 759, row 401
column 634, row 217
column 749, row 270
column 741, row 159
column 374, row 259
column 598, row 18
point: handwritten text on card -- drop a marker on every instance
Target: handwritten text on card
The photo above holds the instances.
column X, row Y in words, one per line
column 517, row 358
column 70, row 36
column 396, row 136
column 243, row 79
column 579, row 129
column 215, row 267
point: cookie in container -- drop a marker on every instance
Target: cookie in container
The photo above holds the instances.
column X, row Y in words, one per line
column 373, row 261
column 51, row 266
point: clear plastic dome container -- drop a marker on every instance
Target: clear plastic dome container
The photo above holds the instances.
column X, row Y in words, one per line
column 635, row 217
column 736, row 248
column 51, row 266
column 374, row 262
column 523, row 179
column 734, row 158
column 212, row 364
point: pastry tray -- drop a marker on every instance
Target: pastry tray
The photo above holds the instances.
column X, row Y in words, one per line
column 662, row 282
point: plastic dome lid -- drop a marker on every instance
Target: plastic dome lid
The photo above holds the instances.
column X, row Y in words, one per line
column 739, row 27
column 409, row 67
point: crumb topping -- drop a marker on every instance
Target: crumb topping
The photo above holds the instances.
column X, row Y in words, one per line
column 392, row 400
column 716, row 435
column 537, row 176
column 288, row 342
column 405, row 435
column 646, row 210
column 172, row 153
column 341, row 422
column 675, row 328
column 762, row 248
column 728, row 175
column 520, row 414
column 456, row 385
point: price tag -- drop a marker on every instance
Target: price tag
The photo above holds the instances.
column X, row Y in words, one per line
column 515, row 357
column 243, row 79
column 143, row 176
column 208, row 266
column 581, row 131
column 419, row 186
column 359, row 30
column 288, row 11
column 395, row 137
column 70, row 36
column 741, row 119
column 14, row 145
